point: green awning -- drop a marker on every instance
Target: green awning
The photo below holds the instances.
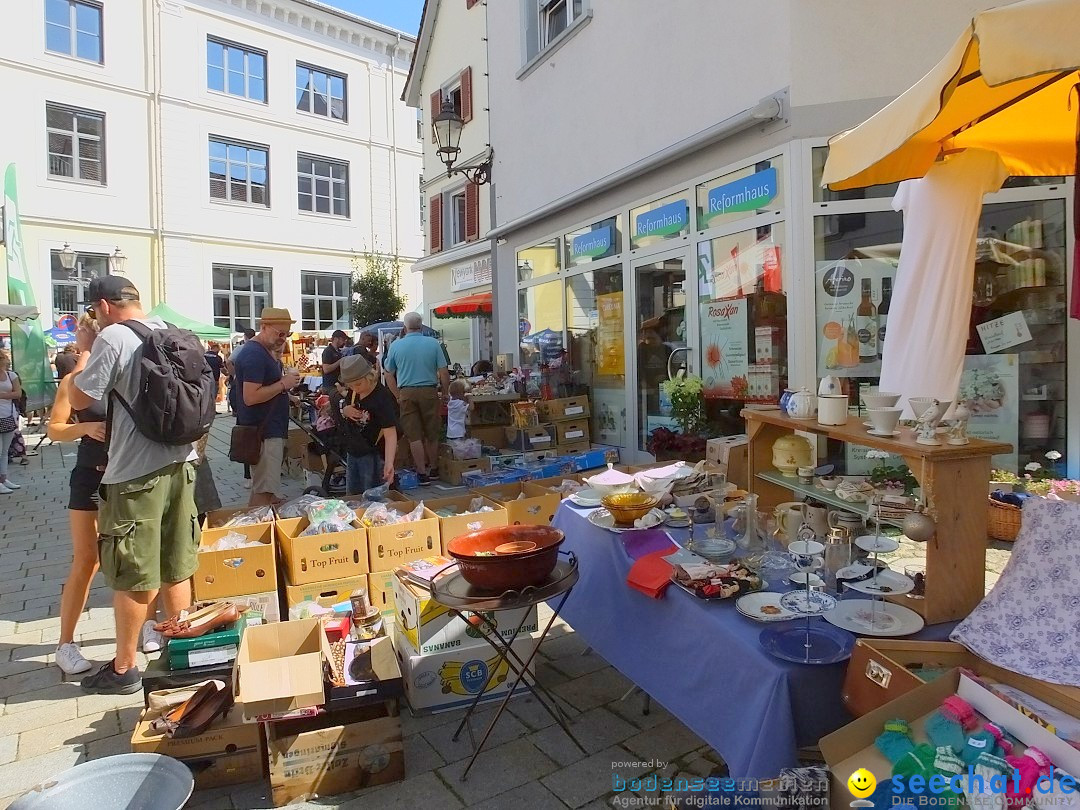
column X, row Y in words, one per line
column 204, row 331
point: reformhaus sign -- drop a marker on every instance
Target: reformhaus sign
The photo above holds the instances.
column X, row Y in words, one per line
column 591, row 245
column 667, row 220
column 746, row 194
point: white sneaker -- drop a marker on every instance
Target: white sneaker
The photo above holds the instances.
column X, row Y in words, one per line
column 12, row 485
column 70, row 659
column 5, row 490
column 247, row 483
column 150, row 639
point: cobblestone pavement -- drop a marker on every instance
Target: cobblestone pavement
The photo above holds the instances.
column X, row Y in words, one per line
column 48, row 725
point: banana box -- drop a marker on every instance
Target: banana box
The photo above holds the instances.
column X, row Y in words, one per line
column 452, row 679
column 427, row 627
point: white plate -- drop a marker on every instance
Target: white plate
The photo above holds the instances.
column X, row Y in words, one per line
column 888, row 619
column 872, row 543
column 585, row 497
column 750, row 605
column 799, row 579
column 603, row 519
column 897, row 584
column 807, row 602
column 873, row 432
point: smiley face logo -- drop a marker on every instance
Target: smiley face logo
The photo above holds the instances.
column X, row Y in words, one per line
column 861, row 783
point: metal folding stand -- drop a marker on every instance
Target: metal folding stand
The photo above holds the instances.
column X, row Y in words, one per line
column 461, row 598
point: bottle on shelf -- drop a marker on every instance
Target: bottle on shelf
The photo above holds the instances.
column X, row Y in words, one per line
column 883, row 314
column 866, row 322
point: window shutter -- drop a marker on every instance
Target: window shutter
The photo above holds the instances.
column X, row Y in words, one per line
column 436, row 107
column 435, row 227
column 466, row 95
column 532, row 29
column 472, row 212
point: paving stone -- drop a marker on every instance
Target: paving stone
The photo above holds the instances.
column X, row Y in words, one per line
column 595, row 729
column 97, row 704
column 423, row 791
column 41, row 698
column 631, row 710
column 666, row 741
column 37, row 679
column 496, row 771
column 573, row 666
column 111, row 746
column 594, row 689
column 415, row 724
column 19, row 776
column 528, row 710
column 555, row 648
column 9, row 748
column 420, row 757
column 530, row 796
column 592, row 777
column 441, row 737
column 79, row 731
column 45, row 713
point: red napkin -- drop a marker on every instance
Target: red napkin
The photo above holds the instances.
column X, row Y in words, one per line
column 651, row 574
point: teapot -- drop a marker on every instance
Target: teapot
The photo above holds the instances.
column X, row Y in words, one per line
column 802, row 405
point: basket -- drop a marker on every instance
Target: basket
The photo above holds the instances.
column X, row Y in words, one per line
column 1003, row 520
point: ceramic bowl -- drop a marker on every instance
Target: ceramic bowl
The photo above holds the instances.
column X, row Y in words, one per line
column 614, row 482
column 880, row 399
column 485, row 567
column 626, row 507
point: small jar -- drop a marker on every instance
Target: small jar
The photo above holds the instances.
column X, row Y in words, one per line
column 806, row 475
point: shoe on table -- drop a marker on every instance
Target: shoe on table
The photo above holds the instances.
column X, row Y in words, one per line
column 106, row 681
column 12, row 485
column 70, row 659
column 5, row 490
column 150, row 639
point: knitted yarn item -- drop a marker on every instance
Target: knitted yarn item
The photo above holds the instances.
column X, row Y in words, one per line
column 895, row 743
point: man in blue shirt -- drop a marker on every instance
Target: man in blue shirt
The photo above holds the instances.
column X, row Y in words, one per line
column 263, row 399
column 416, row 374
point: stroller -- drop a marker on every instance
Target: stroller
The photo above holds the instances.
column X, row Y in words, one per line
column 333, row 481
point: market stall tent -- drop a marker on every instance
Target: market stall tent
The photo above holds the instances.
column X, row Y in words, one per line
column 202, row 330
column 469, row 306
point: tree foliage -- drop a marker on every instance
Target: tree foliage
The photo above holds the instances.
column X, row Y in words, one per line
column 376, row 289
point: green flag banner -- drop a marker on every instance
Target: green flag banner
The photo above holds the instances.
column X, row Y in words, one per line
column 30, row 358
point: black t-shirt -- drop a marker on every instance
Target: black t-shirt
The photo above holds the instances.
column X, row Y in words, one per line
column 213, row 359
column 377, row 412
column 330, row 354
column 255, row 364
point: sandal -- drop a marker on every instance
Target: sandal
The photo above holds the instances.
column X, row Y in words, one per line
column 201, row 622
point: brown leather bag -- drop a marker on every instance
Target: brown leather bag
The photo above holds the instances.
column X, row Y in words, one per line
column 245, row 444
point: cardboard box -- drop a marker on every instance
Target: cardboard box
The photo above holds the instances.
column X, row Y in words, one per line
column 218, row 647
column 157, row 675
column 763, row 382
column 313, row 462
column 573, row 431
column 538, row 456
column 553, row 483
column 320, row 557
column 229, row 752
column 334, row 753
column 216, row 519
column 391, row 545
column 451, row 527
column 505, row 475
column 280, row 667
column 296, row 443
column 489, row 435
column 384, row 681
column 768, row 345
column 222, row 574
column 506, row 460
column 573, row 451
column 450, row 680
column 326, row 593
column 428, row 627
column 381, row 592
column 534, row 438
column 525, row 503
column 729, row 453
column 555, row 410
column 266, row 604
column 451, row 470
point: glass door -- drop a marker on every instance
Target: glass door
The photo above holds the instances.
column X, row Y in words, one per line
column 661, row 331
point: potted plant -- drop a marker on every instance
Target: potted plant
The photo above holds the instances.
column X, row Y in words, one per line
column 1006, row 481
column 891, row 479
column 685, row 392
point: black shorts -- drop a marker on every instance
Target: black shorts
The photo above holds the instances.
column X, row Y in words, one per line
column 84, row 489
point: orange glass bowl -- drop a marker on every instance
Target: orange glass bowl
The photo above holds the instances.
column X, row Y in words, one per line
column 484, row 562
column 626, row 507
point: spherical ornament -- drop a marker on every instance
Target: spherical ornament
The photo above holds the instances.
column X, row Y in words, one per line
column 919, row 526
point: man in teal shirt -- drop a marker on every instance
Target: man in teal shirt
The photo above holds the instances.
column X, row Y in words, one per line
column 417, row 376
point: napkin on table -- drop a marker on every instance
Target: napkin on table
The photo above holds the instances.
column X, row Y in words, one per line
column 650, row 574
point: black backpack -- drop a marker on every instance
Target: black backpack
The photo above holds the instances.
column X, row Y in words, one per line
column 176, row 386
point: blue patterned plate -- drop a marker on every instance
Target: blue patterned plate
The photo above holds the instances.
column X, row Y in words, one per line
column 801, row 644
column 807, row 603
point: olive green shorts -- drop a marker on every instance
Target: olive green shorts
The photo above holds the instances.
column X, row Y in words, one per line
column 148, row 529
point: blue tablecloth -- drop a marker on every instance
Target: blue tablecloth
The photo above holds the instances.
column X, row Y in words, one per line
column 702, row 660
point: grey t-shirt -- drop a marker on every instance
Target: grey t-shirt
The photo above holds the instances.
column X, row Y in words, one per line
column 114, row 366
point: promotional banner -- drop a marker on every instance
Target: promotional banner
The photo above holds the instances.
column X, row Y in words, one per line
column 725, row 349
column 849, row 296
column 610, row 350
column 609, row 415
column 990, row 388
column 30, row 358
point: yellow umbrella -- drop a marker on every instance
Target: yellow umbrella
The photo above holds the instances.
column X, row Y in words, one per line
column 1009, row 84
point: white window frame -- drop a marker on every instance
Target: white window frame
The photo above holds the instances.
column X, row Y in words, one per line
column 232, row 294
column 72, row 280
column 339, row 303
column 248, row 184
column 313, row 177
column 77, row 138
column 330, row 98
column 247, row 51
column 73, row 31
column 538, row 41
column 455, row 219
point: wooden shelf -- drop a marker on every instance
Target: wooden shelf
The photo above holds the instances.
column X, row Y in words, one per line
column 820, row 494
column 954, row 482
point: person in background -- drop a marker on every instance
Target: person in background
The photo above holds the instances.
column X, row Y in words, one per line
column 65, row 361
column 263, row 399
column 416, row 374
column 216, row 363
column 368, row 347
column 480, row 368
column 10, row 393
column 456, row 410
column 331, row 360
column 230, row 374
column 365, row 418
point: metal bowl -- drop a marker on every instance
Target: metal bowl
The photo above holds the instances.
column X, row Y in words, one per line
column 144, row 781
column 626, row 507
column 484, row 566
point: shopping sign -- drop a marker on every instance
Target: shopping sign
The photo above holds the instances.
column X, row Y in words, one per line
column 591, row 245
column 747, row 194
column 471, row 274
column 666, row 220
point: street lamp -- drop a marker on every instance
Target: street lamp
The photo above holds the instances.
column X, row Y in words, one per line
column 67, row 257
column 117, row 262
column 447, row 125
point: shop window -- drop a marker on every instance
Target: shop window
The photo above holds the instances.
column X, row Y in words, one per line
column 540, row 327
column 69, row 286
column 456, row 336
column 601, row 240
column 240, row 295
column 324, row 301
column 595, row 349
column 667, row 218
column 739, row 194
column 818, row 157
column 538, row 260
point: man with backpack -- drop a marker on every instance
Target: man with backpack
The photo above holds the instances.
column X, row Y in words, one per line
column 160, row 396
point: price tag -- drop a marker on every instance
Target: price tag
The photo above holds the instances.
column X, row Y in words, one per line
column 1004, row 332
column 574, row 410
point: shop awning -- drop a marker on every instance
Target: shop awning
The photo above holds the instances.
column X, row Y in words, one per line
column 17, row 313
column 471, row 306
column 202, row 330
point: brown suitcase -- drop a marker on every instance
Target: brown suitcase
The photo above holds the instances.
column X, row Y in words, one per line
column 878, row 670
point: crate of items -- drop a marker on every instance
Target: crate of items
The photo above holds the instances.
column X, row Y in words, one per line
column 525, row 503
column 557, row 410
column 525, row 440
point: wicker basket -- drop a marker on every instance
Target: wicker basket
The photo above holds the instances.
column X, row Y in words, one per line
column 1003, row 520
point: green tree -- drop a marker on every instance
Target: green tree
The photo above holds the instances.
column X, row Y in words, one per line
column 375, row 285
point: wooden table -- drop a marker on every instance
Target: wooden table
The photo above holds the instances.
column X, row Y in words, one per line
column 954, row 481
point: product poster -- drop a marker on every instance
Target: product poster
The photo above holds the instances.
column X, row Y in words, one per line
column 990, row 387
column 610, row 351
column 849, row 323
column 856, row 462
column 609, row 415
column 725, row 349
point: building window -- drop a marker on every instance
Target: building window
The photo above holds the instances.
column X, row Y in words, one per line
column 235, row 69
column 73, row 28
column 239, row 173
column 324, row 301
column 419, row 125
column 76, row 143
column 456, row 220
column 320, row 92
column 322, row 185
column 546, row 20
column 67, row 297
column 423, row 204
column 240, row 294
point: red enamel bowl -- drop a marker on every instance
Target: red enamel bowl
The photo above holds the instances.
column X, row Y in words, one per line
column 485, row 568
